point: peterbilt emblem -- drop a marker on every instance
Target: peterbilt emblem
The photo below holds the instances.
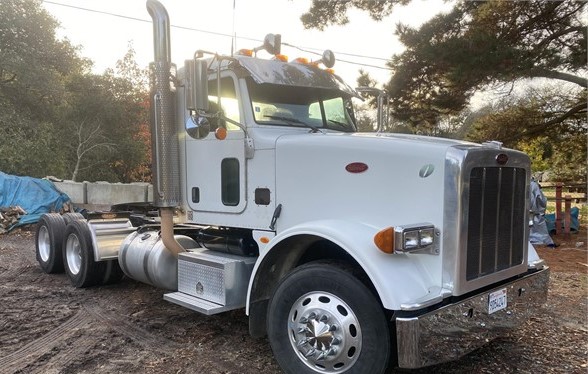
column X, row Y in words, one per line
column 426, row 170
column 502, row 159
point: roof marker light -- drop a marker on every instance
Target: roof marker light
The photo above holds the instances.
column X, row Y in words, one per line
column 245, row 52
column 283, row 58
column 301, row 60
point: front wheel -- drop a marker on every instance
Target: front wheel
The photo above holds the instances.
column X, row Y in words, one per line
column 322, row 319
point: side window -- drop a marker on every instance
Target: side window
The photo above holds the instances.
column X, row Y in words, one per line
column 314, row 111
column 335, row 110
column 229, row 101
column 230, row 181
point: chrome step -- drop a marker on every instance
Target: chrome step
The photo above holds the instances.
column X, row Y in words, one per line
column 196, row 304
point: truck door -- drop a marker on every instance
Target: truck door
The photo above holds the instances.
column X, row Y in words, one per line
column 215, row 169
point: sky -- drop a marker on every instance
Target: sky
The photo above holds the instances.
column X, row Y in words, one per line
column 104, row 38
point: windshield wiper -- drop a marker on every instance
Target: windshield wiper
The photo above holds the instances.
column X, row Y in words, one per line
column 343, row 125
column 292, row 121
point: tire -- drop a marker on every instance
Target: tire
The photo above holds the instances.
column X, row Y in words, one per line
column 354, row 334
column 49, row 242
column 68, row 217
column 112, row 273
column 78, row 256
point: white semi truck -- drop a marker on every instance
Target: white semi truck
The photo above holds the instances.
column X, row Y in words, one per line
column 352, row 252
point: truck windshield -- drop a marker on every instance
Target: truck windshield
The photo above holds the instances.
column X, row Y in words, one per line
column 310, row 107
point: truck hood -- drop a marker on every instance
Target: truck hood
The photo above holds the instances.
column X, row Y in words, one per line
column 315, row 172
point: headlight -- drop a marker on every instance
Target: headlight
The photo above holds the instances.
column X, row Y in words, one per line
column 426, row 237
column 421, row 238
column 415, row 238
column 411, row 240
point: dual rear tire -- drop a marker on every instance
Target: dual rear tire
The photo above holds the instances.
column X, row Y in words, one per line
column 49, row 242
column 64, row 243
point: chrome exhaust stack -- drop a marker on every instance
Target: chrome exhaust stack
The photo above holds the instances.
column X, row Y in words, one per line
column 165, row 153
column 164, row 137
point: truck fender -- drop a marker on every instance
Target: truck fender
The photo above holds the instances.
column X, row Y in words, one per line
column 397, row 278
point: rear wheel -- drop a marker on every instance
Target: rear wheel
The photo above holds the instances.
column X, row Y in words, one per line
column 322, row 319
column 49, row 242
column 68, row 217
column 78, row 256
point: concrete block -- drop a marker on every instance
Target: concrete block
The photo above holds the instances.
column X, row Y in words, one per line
column 115, row 193
column 75, row 190
column 105, row 193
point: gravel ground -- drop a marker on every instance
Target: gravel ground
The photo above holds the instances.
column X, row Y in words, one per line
column 47, row 326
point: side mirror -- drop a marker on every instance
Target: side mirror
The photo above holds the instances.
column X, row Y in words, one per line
column 197, row 85
column 198, row 127
column 272, row 43
column 382, row 102
column 328, row 58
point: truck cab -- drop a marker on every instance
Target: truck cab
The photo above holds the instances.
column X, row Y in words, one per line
column 352, row 252
column 422, row 223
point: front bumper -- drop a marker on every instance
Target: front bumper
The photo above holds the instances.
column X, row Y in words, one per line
column 454, row 330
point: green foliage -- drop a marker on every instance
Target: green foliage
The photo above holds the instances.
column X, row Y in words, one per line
column 539, row 123
column 539, row 112
column 100, row 117
column 26, row 145
column 568, row 163
column 484, row 43
column 477, row 44
column 33, row 66
column 539, row 150
column 58, row 119
column 334, row 12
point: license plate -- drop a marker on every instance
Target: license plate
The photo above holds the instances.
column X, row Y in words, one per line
column 497, row 301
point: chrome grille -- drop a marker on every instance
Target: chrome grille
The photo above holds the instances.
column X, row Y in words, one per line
column 496, row 220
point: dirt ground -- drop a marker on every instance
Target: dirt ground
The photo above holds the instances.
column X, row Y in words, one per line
column 47, row 326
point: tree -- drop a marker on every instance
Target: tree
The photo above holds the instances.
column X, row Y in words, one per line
column 532, row 123
column 100, row 119
column 480, row 44
column 476, row 45
column 33, row 61
column 334, row 12
column 33, row 67
column 56, row 118
column 136, row 91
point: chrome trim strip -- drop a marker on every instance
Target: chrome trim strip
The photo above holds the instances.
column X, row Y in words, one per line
column 456, row 329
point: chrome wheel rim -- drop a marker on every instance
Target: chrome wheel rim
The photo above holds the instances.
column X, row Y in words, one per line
column 324, row 332
column 73, row 254
column 44, row 243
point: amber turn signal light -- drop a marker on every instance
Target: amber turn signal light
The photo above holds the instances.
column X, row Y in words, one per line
column 384, row 240
column 220, row 133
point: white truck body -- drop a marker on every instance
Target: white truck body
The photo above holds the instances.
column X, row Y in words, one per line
column 326, row 236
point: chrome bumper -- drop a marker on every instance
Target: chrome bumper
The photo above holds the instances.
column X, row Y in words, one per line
column 454, row 330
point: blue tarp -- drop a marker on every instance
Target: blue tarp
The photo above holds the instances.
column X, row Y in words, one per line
column 35, row 196
column 574, row 224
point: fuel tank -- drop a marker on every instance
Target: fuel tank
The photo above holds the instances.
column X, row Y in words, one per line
column 143, row 257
